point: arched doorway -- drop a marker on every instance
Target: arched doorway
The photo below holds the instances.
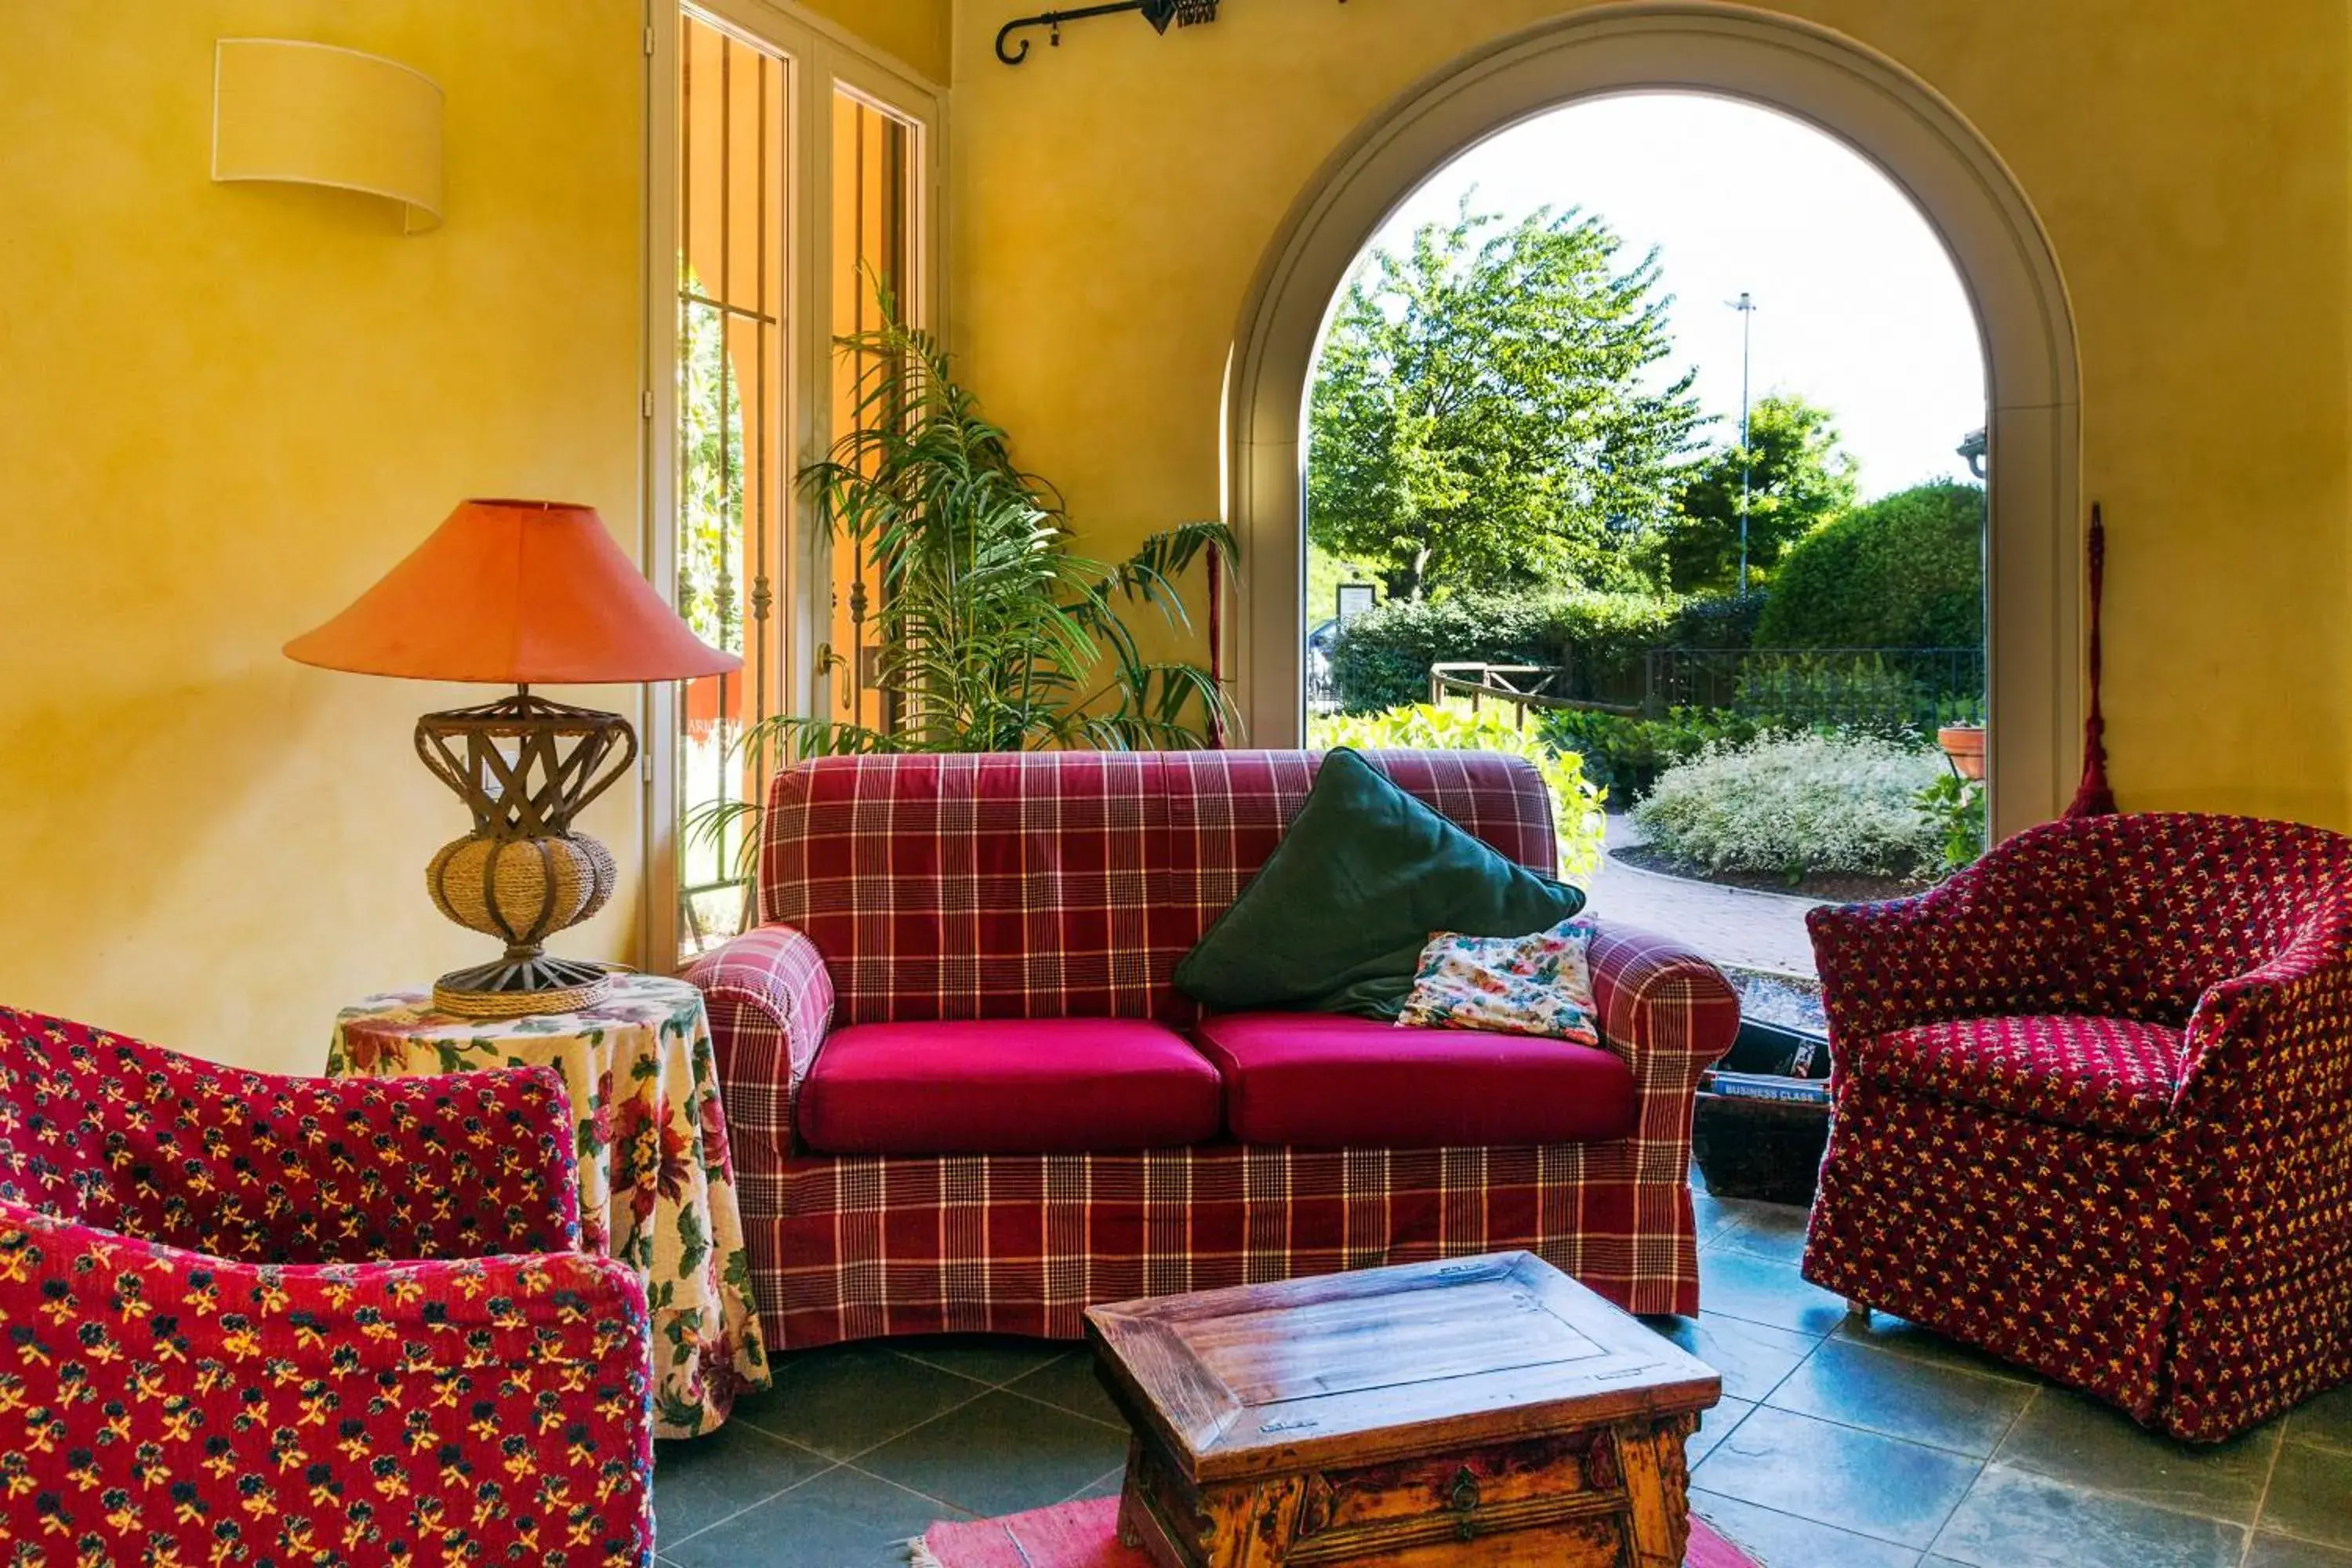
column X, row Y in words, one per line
column 1890, row 117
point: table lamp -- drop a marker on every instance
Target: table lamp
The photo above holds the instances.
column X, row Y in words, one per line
column 519, row 593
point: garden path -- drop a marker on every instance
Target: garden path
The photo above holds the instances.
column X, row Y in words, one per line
column 1730, row 925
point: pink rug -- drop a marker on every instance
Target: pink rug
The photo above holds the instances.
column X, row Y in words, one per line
column 1085, row 1535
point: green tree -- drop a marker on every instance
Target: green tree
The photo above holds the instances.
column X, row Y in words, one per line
column 1798, row 478
column 1484, row 416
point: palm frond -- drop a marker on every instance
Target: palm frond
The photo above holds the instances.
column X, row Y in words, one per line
column 991, row 631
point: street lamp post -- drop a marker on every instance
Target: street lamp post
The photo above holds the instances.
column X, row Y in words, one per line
column 1747, row 309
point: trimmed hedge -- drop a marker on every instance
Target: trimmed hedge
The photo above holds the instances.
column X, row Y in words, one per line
column 1905, row 571
column 1381, row 658
column 1718, row 620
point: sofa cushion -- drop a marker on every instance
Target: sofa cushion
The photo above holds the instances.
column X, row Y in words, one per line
column 1537, row 984
column 1336, row 920
column 2109, row 1075
column 1008, row 1086
column 1326, row 1081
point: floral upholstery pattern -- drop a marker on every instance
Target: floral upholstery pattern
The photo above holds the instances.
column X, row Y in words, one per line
column 252, row 1319
column 2113, row 1074
column 1044, row 885
column 656, row 1189
column 1536, row 985
column 2169, row 1230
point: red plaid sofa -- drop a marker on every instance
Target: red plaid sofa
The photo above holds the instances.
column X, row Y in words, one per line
column 2093, row 1111
column 941, row 893
column 249, row 1319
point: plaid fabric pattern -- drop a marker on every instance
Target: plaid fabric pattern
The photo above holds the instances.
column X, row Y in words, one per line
column 1061, row 884
column 202, row 1368
column 918, row 853
column 2193, row 1266
column 770, row 998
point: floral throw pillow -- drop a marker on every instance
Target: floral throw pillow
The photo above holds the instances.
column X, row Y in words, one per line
column 1536, row 985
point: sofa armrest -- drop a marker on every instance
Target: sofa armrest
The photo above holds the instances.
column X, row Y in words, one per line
column 276, row 1169
column 359, row 1390
column 771, row 1000
column 1671, row 1013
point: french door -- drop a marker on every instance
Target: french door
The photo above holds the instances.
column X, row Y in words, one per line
column 788, row 173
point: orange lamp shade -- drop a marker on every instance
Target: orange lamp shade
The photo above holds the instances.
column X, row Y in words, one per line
column 522, row 592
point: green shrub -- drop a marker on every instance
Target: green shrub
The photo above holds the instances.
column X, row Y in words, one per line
column 1625, row 754
column 1381, row 658
column 1957, row 806
column 1576, row 802
column 1905, row 571
column 1716, row 620
column 1604, row 635
column 1796, row 806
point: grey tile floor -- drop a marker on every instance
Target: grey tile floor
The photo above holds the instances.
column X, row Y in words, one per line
column 1836, row 1446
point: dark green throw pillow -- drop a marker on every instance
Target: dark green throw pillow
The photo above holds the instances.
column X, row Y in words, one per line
column 1335, row 919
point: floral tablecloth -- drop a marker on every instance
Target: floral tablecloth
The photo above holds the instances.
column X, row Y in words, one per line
column 656, row 1189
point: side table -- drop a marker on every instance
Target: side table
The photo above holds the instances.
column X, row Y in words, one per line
column 656, row 1187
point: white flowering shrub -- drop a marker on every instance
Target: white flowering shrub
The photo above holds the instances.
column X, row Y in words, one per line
column 1798, row 805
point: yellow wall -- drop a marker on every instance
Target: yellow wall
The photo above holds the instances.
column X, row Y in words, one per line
column 1110, row 201
column 226, row 409
column 223, row 411
column 917, row 33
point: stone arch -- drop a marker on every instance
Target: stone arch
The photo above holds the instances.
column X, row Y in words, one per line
column 1901, row 125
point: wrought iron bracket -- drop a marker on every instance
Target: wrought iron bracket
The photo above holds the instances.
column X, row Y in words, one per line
column 1158, row 13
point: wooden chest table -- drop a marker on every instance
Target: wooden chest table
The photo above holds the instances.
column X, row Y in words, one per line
column 1487, row 1411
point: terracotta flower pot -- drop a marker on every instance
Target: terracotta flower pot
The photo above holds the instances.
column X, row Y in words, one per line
column 1965, row 745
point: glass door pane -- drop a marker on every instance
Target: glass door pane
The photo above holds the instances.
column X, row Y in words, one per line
column 873, row 156
column 733, row 466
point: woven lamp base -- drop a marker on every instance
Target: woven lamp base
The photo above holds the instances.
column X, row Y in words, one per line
column 523, row 988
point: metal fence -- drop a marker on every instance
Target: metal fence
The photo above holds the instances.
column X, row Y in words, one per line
column 1917, row 686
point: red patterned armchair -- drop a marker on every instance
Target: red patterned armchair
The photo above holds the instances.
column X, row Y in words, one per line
column 2093, row 1111
column 250, row 1319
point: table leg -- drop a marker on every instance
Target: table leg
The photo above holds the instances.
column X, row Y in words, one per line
column 1657, row 1488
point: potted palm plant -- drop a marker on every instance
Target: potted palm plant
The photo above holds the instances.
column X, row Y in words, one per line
column 993, row 633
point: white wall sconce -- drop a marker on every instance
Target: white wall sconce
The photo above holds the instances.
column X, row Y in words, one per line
column 315, row 114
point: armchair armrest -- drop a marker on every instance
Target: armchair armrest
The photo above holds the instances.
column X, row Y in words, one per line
column 1671, row 1013
column 771, row 1000
column 2264, row 1111
column 2274, row 1045
column 316, row 1170
column 501, row 1405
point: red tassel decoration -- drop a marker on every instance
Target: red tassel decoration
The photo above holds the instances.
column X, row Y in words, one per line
column 2092, row 796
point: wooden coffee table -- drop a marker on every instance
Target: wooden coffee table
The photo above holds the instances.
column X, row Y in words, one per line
column 1487, row 1411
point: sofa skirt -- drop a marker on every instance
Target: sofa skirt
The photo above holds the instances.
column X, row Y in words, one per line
column 862, row 1247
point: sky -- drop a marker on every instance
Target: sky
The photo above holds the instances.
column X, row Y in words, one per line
column 1858, row 307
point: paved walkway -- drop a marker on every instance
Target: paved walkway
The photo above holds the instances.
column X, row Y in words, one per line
column 1729, row 925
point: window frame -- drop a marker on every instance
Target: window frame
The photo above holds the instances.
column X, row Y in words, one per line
column 819, row 61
